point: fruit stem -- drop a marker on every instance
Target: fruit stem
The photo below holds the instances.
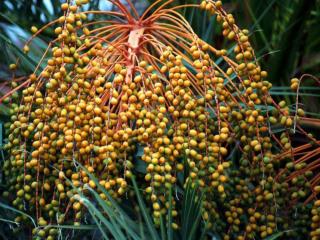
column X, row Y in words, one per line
column 133, row 45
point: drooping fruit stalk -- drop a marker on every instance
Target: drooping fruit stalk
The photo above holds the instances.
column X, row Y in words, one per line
column 122, row 83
